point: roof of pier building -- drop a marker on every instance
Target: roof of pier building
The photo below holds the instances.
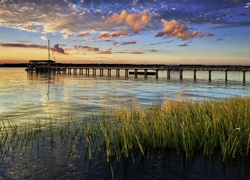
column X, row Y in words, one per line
column 41, row 61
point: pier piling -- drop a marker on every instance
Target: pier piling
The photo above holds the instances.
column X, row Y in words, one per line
column 145, row 73
column 168, row 74
column 156, row 74
column 136, row 75
column 209, row 75
column 109, row 72
column 181, row 74
column 126, row 73
column 225, row 75
column 101, row 72
column 117, row 72
column 244, row 76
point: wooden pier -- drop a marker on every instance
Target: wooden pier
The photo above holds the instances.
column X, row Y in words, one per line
column 135, row 69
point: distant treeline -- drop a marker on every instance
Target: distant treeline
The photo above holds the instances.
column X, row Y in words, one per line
column 13, row 65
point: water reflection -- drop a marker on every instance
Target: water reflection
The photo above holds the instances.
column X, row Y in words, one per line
column 31, row 95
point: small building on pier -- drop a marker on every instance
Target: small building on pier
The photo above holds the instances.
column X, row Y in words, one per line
column 32, row 64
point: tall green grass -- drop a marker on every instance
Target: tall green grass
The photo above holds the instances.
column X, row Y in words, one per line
column 185, row 127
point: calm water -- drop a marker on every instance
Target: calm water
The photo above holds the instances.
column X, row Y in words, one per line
column 26, row 97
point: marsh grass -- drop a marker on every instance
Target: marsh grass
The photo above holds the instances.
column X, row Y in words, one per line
column 184, row 127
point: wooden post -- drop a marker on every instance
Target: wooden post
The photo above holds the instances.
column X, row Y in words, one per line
column 181, row 74
column 109, row 72
column 87, row 71
column 244, row 76
column 168, row 74
column 145, row 73
column 101, row 72
column 94, row 72
column 136, row 75
column 126, row 73
column 209, row 75
column 225, row 75
column 195, row 75
column 117, row 72
column 75, row 70
column 156, row 73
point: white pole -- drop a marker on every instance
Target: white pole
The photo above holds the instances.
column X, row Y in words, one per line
column 48, row 49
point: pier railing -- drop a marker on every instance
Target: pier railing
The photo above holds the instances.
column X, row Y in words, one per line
column 138, row 69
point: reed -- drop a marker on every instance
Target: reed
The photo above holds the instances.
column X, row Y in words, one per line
column 185, row 127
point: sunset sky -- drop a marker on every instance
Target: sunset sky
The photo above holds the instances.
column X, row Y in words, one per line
column 126, row 31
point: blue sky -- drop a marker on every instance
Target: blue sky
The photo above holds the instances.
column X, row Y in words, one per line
column 126, row 31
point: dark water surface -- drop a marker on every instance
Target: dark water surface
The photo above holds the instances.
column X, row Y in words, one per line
column 54, row 163
column 25, row 97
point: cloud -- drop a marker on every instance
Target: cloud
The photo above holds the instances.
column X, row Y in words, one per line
column 133, row 20
column 74, row 16
column 111, row 35
column 19, row 45
column 72, row 36
column 55, row 48
column 24, row 41
column 104, row 52
column 153, row 51
column 162, row 42
column 137, row 52
column 174, row 29
column 44, row 38
column 219, row 39
column 93, row 49
column 83, row 34
column 247, row 5
column 58, row 49
column 90, row 49
column 48, row 16
column 129, row 42
column 185, row 44
column 69, row 36
column 130, row 52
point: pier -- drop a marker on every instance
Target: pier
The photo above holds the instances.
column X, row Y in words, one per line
column 133, row 69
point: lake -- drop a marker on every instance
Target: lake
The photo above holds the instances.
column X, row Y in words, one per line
column 26, row 97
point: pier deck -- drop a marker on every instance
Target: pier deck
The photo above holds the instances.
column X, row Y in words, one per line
column 137, row 69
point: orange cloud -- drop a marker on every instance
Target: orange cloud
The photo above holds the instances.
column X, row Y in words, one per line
column 83, row 34
column 133, row 20
column 174, row 29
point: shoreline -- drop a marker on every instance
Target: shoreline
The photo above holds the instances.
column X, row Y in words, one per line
column 13, row 65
